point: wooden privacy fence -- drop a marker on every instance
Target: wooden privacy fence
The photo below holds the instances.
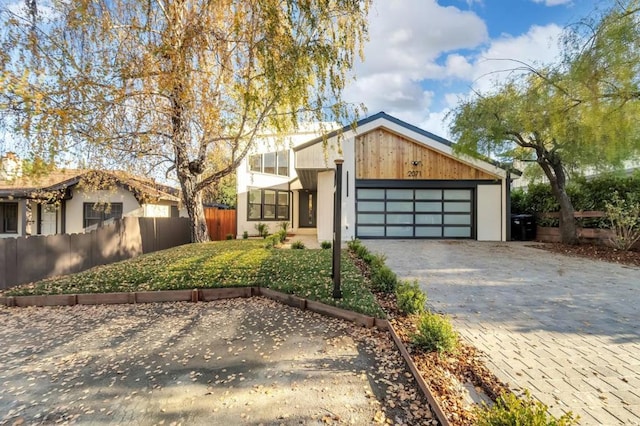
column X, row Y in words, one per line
column 28, row 259
column 220, row 223
column 590, row 235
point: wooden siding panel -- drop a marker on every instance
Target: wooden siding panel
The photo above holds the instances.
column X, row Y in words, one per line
column 381, row 154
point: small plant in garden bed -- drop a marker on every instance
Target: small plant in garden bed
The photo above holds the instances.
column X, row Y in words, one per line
column 297, row 245
column 526, row 411
column 435, row 333
column 410, row 298
column 263, row 229
column 325, row 245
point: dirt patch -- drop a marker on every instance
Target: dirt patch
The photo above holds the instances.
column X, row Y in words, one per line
column 591, row 251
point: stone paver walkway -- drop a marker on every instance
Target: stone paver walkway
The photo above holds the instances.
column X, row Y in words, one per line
column 567, row 329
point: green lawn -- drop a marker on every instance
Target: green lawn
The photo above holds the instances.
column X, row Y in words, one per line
column 236, row 263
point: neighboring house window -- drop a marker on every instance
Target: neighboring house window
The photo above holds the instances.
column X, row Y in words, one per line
column 8, row 218
column 97, row 213
column 268, row 204
column 274, row 163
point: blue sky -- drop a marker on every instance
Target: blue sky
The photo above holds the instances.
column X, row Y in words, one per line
column 424, row 55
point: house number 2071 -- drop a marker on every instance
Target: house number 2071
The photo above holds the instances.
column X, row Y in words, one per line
column 414, row 173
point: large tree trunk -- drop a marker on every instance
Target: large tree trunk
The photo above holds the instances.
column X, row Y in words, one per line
column 193, row 203
column 552, row 167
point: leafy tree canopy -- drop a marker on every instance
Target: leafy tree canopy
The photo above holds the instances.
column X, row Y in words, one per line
column 149, row 82
column 581, row 111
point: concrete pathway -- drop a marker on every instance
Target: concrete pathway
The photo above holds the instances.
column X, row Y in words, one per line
column 567, row 329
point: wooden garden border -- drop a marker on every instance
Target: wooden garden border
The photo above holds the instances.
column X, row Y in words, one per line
column 210, row 294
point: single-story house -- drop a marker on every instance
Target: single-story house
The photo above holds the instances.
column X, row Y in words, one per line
column 399, row 181
column 75, row 201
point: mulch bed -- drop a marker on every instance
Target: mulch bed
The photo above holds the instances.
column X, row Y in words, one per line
column 591, row 251
column 444, row 373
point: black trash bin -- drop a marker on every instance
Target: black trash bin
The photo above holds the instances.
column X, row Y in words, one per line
column 523, row 227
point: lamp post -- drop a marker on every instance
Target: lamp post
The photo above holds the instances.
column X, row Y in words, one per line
column 337, row 230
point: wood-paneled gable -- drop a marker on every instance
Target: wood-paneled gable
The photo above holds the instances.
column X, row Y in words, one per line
column 381, row 154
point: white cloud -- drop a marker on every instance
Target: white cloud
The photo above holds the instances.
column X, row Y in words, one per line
column 553, row 2
column 536, row 47
column 407, row 37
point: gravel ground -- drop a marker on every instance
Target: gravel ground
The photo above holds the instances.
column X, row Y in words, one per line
column 240, row 361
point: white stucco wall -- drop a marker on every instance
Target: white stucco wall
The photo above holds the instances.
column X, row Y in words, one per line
column 247, row 179
column 348, row 189
column 325, row 206
column 490, row 209
column 75, row 205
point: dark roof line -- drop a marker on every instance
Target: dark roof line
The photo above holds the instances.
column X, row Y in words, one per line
column 371, row 118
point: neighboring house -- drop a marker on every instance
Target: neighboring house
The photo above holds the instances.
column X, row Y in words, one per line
column 75, row 201
column 399, row 181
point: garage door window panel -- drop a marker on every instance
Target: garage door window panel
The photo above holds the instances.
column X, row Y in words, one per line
column 371, row 231
column 428, row 219
column 428, row 207
column 457, row 207
column 428, row 194
column 429, row 232
column 457, row 232
column 399, row 231
column 371, row 194
column 457, row 194
column 400, row 219
column 371, row 206
column 457, row 219
column 370, row 219
column 400, row 194
column 400, row 206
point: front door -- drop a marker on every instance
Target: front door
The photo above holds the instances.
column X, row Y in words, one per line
column 49, row 220
column 307, row 209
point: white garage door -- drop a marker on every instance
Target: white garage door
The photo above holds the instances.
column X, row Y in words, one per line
column 414, row 213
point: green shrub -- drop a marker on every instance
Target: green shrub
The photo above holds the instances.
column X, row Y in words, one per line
column 384, row 279
column 624, row 216
column 245, row 235
column 410, row 298
column 354, row 244
column 263, row 229
column 526, row 411
column 229, row 237
column 271, row 241
column 363, row 253
column 297, row 245
column 435, row 333
column 284, row 226
column 325, row 245
column 378, row 260
column 282, row 235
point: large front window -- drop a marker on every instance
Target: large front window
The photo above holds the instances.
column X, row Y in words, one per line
column 274, row 163
column 97, row 213
column 268, row 204
column 8, row 218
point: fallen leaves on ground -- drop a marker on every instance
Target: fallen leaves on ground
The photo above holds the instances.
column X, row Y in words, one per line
column 238, row 361
column 591, row 251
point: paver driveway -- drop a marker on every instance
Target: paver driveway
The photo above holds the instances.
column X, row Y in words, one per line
column 566, row 328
